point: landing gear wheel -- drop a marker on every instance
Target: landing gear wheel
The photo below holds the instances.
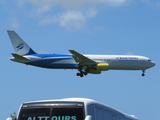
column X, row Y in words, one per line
column 78, row 74
column 82, row 72
column 81, row 75
column 143, row 74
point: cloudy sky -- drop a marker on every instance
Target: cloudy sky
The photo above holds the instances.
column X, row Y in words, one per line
column 70, row 14
column 89, row 27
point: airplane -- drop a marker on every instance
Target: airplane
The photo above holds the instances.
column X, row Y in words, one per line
column 93, row 64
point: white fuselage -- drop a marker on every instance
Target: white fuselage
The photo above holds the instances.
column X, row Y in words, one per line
column 124, row 62
column 117, row 62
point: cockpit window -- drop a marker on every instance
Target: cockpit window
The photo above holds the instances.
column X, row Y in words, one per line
column 149, row 60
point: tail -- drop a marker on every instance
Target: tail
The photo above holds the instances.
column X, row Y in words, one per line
column 20, row 47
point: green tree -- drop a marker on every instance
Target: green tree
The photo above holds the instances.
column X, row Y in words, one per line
column 13, row 115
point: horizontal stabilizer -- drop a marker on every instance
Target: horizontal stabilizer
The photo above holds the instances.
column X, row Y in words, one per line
column 20, row 58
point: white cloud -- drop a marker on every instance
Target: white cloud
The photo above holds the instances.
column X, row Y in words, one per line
column 129, row 53
column 158, row 4
column 74, row 13
column 42, row 51
column 112, row 2
column 71, row 19
column 45, row 5
column 152, row 3
column 14, row 23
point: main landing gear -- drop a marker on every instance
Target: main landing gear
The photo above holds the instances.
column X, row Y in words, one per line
column 143, row 72
column 83, row 70
column 81, row 73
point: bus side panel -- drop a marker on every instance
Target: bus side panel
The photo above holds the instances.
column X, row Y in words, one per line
column 117, row 117
column 102, row 114
column 90, row 111
column 127, row 119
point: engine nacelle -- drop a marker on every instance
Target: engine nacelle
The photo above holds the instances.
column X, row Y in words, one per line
column 101, row 66
column 91, row 71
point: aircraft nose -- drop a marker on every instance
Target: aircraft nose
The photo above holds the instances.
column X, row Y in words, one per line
column 152, row 63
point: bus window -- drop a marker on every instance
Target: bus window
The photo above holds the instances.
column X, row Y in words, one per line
column 52, row 111
column 57, row 114
column 35, row 114
column 67, row 114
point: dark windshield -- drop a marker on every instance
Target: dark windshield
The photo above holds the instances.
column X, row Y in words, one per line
column 67, row 114
column 52, row 114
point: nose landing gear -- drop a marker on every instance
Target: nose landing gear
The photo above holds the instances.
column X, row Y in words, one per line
column 143, row 72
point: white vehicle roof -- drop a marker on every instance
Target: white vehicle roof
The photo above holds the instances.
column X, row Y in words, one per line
column 86, row 101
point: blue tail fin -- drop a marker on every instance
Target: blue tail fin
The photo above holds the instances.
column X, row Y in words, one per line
column 19, row 45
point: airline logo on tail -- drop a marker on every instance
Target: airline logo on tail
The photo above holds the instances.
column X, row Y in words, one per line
column 20, row 45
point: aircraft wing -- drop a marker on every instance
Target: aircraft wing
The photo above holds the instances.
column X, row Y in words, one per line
column 79, row 58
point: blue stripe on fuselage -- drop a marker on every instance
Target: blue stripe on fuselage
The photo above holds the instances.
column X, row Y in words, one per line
column 51, row 55
column 60, row 61
column 30, row 52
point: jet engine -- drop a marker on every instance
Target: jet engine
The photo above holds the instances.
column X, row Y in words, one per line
column 91, row 71
column 96, row 69
column 101, row 66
